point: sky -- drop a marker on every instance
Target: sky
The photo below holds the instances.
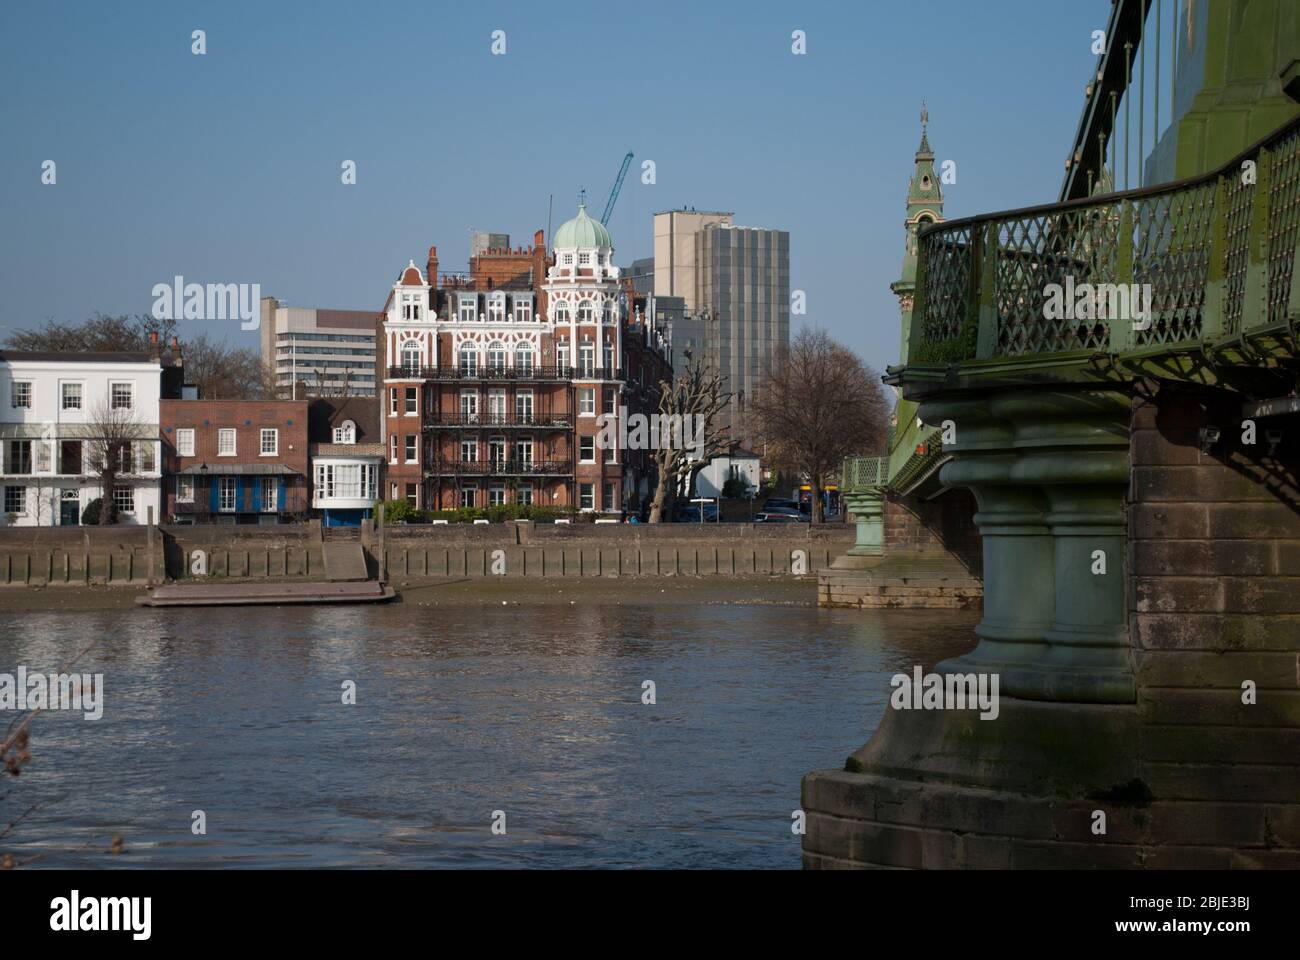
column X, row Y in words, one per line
column 226, row 167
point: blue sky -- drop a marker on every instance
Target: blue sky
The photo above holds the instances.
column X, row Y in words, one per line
column 225, row 168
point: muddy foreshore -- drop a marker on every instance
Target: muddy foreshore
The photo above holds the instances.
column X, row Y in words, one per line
column 480, row 591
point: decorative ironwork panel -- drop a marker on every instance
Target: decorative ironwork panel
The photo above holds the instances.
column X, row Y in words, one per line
column 865, row 473
column 947, row 283
column 1284, row 219
column 1171, row 260
column 1236, row 250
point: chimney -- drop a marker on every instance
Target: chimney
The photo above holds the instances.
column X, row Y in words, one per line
column 432, row 273
column 539, row 239
column 177, row 359
column 154, row 353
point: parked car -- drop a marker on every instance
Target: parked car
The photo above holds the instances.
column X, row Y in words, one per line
column 690, row 513
column 779, row 503
column 780, row 515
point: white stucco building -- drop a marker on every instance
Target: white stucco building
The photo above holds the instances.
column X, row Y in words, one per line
column 52, row 407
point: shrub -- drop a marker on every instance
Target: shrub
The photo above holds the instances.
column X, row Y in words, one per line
column 735, row 489
column 399, row 511
column 90, row 516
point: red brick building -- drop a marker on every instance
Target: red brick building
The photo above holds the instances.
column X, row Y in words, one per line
column 234, row 461
column 496, row 382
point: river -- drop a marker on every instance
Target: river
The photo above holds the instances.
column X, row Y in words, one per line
column 533, row 710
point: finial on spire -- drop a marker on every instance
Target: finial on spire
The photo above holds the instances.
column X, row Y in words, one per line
column 925, row 116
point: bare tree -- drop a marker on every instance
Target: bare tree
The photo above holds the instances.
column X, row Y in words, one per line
column 113, row 446
column 688, row 409
column 817, row 404
column 223, row 372
column 98, row 334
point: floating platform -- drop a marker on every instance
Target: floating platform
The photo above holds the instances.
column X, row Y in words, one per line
column 266, row 594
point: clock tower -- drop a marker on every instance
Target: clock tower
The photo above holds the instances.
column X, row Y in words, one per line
column 924, row 206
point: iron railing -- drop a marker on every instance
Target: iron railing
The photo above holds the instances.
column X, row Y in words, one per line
column 1155, row 270
column 863, row 474
column 500, row 468
column 488, row 421
column 518, row 374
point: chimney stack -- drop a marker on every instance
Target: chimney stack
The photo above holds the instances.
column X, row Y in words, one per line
column 432, row 273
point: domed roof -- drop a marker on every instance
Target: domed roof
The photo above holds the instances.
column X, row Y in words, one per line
column 581, row 231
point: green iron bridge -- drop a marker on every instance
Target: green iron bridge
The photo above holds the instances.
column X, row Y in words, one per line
column 1135, row 481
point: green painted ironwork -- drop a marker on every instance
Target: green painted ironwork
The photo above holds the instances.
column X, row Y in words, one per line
column 863, row 474
column 987, row 285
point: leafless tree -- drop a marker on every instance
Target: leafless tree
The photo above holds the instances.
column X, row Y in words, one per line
column 114, row 436
column 817, row 404
column 699, row 395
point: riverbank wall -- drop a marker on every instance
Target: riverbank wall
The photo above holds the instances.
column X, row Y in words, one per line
column 138, row 555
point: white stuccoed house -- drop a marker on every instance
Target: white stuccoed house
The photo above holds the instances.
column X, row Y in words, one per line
column 50, row 406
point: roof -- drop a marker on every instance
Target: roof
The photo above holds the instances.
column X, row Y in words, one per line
column 581, row 231
column 59, row 356
column 241, row 469
column 358, row 450
column 411, row 276
column 326, row 413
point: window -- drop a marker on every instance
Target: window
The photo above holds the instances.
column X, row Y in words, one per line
column 585, row 311
column 468, row 360
column 562, row 356
column 122, row 457
column 392, row 401
column 496, row 406
column 20, row 393
column 411, row 454
column 122, row 396
column 496, row 495
column 270, row 494
column 524, row 453
column 411, row 359
column 586, row 496
column 611, row 497
column 270, row 443
column 71, row 396
column 496, row 356
column 607, row 357
column 584, row 259
column 611, row 401
column 412, row 401
column 523, row 308
column 587, row 401
column 184, row 489
column 524, row 406
column 524, row 494
column 587, row 360
column 467, row 307
column 413, row 494
column 70, row 457
column 410, row 306
column 468, row 495
column 524, row 360
column 44, row 449
column 496, row 306
column 226, row 494
column 226, row 442
column 347, row 433
column 469, row 406
column 392, row 448
column 185, row 442
column 568, row 259
column 497, row 453
column 16, row 500
column 587, row 449
column 562, row 312
column 124, row 499
column 611, row 454
column 144, row 456
column 468, row 451
column 20, row 457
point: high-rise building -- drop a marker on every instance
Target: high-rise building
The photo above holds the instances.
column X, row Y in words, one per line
column 319, row 352
column 735, row 284
column 481, row 242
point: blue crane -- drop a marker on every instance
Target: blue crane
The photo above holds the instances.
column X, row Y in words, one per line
column 613, row 194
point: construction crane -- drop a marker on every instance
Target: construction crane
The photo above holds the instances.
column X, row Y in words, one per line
column 613, row 194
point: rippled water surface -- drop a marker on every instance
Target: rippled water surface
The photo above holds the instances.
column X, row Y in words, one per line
column 532, row 710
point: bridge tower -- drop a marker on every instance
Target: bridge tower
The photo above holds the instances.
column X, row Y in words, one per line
column 924, row 206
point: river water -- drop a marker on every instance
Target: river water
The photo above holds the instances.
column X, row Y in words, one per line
column 534, row 711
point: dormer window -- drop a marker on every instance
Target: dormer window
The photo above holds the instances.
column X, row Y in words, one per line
column 410, row 306
column 467, row 307
column 567, row 260
column 584, row 259
column 346, row 432
column 496, row 306
column 523, row 308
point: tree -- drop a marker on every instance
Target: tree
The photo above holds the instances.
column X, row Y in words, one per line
column 817, row 404
column 113, row 434
column 698, row 395
column 223, row 372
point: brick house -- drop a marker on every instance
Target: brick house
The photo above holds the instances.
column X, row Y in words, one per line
column 347, row 458
column 495, row 381
column 234, row 461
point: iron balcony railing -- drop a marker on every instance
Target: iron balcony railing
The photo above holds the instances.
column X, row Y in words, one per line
column 490, row 373
column 201, row 505
column 864, row 474
column 500, row 468
column 1154, row 270
column 485, row 421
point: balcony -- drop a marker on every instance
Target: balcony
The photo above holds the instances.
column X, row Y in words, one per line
column 493, row 421
column 500, row 468
column 483, row 373
column 1199, row 265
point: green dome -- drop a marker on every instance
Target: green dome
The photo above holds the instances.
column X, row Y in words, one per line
column 582, row 231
